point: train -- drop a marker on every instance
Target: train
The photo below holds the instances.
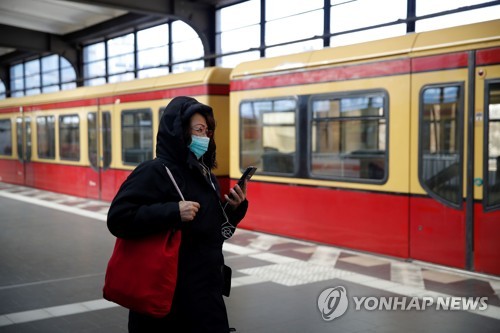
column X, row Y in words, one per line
column 389, row 147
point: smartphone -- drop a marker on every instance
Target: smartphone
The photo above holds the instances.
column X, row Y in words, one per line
column 247, row 175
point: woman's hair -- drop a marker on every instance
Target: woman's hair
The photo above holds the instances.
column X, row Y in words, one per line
column 209, row 157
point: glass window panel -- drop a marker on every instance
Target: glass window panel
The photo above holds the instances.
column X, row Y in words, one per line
column 69, row 137
column 17, row 71
column 5, row 137
column 121, row 77
column 2, row 89
column 268, row 135
column 45, row 133
column 294, row 27
column 94, row 52
column 282, row 8
column 50, row 78
column 17, row 93
column 232, row 60
column 294, row 48
column 50, row 63
column 152, row 37
column 187, row 50
column 368, row 35
column 121, row 45
column 48, row 89
column 32, row 81
column 95, row 82
column 32, row 67
column 440, row 142
column 153, row 72
column 188, row 66
column 348, row 15
column 65, row 63
column 137, row 136
column 94, row 69
column 121, row 64
column 68, row 74
column 493, row 156
column 34, row 91
column 182, row 32
column 17, row 84
column 153, row 57
column 451, row 20
column 348, row 137
column 240, row 39
column 68, row 86
column 239, row 15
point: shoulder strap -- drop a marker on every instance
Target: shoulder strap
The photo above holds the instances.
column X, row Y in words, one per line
column 175, row 183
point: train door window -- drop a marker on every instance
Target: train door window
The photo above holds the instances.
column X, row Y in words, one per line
column 348, row 137
column 106, row 139
column 137, row 136
column 23, row 138
column 268, row 135
column 440, row 149
column 5, row 137
column 69, row 137
column 492, row 146
column 45, row 134
column 93, row 140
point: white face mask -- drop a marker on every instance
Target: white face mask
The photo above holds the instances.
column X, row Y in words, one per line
column 199, row 145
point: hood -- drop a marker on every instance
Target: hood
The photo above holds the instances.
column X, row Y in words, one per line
column 170, row 143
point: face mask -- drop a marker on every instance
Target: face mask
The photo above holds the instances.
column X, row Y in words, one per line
column 199, row 145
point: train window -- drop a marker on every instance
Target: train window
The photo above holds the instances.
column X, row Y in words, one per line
column 23, row 138
column 349, row 137
column 69, row 137
column 440, row 135
column 268, row 135
column 95, row 148
column 45, row 134
column 5, row 137
column 137, row 136
column 492, row 164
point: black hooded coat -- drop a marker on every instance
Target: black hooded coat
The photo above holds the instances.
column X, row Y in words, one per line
column 147, row 202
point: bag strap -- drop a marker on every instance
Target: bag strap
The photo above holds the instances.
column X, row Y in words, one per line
column 175, row 183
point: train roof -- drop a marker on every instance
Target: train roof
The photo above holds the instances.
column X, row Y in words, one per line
column 209, row 75
column 416, row 44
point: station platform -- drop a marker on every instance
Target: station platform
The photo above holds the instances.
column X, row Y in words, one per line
column 54, row 250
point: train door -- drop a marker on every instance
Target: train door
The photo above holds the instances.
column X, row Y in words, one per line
column 99, row 150
column 487, row 168
column 439, row 229
column 24, row 169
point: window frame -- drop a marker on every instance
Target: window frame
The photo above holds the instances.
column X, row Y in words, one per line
column 461, row 143
column 9, row 121
column 486, row 206
column 350, row 94
column 296, row 159
column 51, row 137
column 122, row 116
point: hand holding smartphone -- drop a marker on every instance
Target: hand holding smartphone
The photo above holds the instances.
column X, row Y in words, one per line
column 246, row 175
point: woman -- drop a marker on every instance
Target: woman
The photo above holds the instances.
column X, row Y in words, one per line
column 148, row 202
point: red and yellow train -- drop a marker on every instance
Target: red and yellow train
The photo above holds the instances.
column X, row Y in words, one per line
column 390, row 147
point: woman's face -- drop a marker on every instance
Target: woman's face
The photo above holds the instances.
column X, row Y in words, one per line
column 199, row 126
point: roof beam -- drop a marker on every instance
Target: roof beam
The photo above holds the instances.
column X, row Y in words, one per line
column 36, row 42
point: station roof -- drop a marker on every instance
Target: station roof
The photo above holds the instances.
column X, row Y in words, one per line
column 34, row 27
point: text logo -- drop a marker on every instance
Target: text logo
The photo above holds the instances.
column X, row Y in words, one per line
column 332, row 303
